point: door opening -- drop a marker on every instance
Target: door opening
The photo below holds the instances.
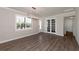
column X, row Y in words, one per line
column 69, row 25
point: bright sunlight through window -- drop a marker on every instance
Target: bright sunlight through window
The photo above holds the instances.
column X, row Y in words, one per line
column 23, row 22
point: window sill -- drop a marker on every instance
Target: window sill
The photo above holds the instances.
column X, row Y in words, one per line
column 24, row 29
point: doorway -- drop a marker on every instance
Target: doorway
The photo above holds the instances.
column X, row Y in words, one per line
column 51, row 26
column 69, row 25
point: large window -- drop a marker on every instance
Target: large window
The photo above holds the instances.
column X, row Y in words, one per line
column 23, row 22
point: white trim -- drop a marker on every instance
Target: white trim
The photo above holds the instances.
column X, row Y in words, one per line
column 53, row 33
column 50, row 32
column 16, row 38
column 50, row 25
column 25, row 28
column 13, row 10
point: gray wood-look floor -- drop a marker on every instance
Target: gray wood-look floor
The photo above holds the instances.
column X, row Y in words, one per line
column 41, row 42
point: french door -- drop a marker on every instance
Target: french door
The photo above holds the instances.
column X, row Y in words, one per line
column 51, row 25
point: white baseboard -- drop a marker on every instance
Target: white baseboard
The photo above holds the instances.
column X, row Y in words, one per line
column 54, row 33
column 17, row 38
column 49, row 32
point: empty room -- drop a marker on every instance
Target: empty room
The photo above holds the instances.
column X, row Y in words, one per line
column 39, row 29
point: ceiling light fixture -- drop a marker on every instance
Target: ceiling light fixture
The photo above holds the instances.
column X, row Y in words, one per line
column 33, row 8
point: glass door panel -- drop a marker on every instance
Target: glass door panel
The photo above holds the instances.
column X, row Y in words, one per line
column 48, row 25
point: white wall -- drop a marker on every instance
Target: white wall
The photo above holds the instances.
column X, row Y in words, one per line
column 68, row 26
column 74, row 26
column 7, row 26
column 42, row 24
column 59, row 22
column 58, row 26
column 77, row 17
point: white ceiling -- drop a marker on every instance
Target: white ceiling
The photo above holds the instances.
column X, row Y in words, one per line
column 43, row 11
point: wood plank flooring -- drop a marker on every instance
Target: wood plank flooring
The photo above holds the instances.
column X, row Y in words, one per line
column 41, row 42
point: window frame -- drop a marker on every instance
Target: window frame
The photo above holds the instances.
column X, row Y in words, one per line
column 26, row 27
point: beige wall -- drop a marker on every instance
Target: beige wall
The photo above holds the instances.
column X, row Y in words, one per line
column 7, row 26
